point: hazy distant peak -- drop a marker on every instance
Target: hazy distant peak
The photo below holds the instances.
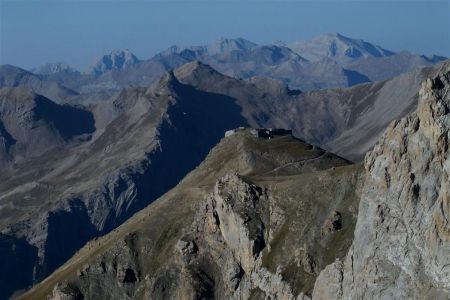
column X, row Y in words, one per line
column 338, row 47
column 123, row 53
column 53, row 68
column 117, row 59
column 219, row 46
column 224, row 45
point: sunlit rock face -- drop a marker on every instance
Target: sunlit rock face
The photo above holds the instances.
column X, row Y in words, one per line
column 402, row 237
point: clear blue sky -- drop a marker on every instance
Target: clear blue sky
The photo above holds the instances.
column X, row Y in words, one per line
column 33, row 32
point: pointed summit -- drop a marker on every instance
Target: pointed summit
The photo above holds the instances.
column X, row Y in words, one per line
column 116, row 60
column 337, row 47
column 195, row 69
column 166, row 85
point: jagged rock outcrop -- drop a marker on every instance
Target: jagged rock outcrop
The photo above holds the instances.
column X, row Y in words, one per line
column 402, row 238
column 241, row 213
column 66, row 292
column 239, row 216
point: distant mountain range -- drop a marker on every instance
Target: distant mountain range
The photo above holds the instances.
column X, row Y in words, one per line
column 328, row 61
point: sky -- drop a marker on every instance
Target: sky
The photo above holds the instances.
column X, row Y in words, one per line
column 34, row 32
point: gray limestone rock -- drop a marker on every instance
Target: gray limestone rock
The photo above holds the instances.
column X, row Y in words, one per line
column 401, row 245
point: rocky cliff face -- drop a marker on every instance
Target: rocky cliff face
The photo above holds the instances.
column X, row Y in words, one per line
column 402, row 238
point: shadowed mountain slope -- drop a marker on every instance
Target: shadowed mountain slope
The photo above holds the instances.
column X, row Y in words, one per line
column 31, row 125
column 345, row 121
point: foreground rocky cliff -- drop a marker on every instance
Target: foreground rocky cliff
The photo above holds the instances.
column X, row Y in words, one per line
column 253, row 219
column 401, row 248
